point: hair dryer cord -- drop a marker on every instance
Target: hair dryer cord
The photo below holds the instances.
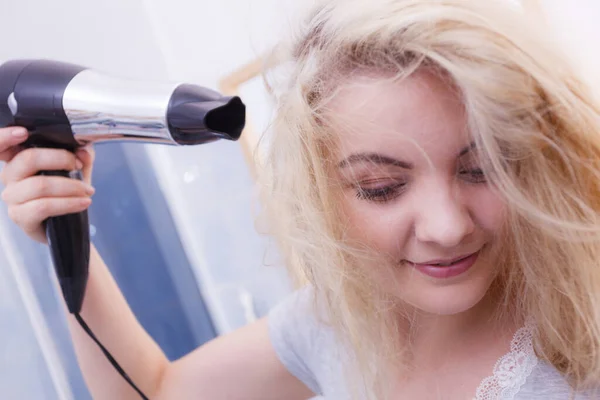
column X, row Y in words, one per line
column 108, row 355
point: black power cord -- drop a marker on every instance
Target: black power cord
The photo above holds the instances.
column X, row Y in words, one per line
column 108, row 355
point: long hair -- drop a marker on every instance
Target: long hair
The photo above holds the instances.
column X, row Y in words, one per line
column 534, row 123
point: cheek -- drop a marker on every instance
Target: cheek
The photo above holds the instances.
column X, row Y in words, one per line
column 488, row 209
column 381, row 227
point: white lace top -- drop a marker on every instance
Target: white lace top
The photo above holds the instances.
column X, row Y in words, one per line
column 310, row 352
column 512, row 370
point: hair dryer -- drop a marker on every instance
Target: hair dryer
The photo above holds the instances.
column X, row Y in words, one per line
column 68, row 106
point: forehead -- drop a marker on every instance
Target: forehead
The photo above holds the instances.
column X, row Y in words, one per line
column 424, row 111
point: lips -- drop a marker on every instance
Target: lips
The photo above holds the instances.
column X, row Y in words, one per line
column 446, row 262
column 456, row 266
column 442, row 262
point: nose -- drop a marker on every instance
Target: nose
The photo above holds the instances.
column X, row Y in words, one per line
column 443, row 218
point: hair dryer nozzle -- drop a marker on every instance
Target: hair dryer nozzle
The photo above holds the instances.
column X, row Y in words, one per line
column 228, row 118
column 197, row 115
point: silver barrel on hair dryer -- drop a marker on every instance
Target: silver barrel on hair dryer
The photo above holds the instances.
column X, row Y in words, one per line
column 68, row 106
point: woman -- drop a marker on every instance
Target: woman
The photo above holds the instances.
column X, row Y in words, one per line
column 434, row 177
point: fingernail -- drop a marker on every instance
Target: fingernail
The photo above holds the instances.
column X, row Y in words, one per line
column 89, row 189
column 79, row 164
column 19, row 132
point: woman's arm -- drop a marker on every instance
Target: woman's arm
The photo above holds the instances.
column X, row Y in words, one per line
column 239, row 365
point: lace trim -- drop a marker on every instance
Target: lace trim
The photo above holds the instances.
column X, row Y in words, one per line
column 512, row 369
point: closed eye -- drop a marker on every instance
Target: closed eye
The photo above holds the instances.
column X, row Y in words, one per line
column 380, row 194
column 475, row 175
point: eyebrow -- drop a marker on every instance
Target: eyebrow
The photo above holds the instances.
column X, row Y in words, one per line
column 375, row 158
column 381, row 159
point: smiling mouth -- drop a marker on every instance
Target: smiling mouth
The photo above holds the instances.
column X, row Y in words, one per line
column 442, row 263
column 447, row 269
column 447, row 264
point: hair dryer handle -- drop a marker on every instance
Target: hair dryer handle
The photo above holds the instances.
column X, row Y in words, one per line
column 69, row 241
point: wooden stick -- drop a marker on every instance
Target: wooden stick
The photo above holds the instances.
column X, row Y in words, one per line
column 234, row 80
column 230, row 86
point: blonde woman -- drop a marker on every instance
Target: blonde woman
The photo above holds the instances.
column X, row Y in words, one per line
column 434, row 180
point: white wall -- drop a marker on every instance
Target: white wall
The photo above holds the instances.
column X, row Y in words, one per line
column 577, row 30
column 112, row 35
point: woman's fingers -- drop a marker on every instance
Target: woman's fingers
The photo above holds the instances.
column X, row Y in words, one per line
column 32, row 198
column 30, row 216
column 86, row 155
column 10, row 141
column 39, row 186
column 33, row 160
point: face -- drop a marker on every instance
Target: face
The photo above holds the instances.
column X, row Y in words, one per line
column 413, row 190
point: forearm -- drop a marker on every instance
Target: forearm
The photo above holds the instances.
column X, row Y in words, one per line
column 108, row 315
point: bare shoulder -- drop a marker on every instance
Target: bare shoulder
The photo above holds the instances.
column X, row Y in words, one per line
column 240, row 365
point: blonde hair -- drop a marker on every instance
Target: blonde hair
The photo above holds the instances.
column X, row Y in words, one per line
column 534, row 124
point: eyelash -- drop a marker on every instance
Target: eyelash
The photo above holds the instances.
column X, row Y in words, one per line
column 390, row 192
column 476, row 175
column 381, row 194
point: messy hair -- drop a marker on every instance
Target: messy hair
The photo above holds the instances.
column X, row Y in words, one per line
column 534, row 124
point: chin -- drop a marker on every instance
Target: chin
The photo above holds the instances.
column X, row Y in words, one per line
column 445, row 301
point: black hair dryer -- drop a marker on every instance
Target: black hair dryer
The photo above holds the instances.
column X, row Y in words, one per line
column 68, row 106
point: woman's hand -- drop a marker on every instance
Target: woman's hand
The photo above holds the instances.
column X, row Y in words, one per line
column 33, row 198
